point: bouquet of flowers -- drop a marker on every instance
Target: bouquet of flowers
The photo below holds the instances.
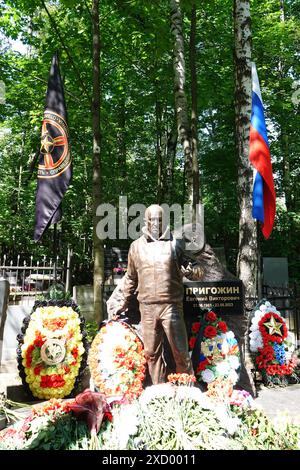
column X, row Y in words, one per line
column 117, row 361
column 52, row 349
column 181, row 379
column 218, row 355
column 270, row 345
column 60, row 424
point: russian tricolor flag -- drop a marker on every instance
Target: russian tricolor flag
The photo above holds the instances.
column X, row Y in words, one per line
column 264, row 197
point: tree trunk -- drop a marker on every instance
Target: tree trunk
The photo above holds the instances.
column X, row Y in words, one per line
column 122, row 163
column 286, row 170
column 171, row 145
column 194, row 115
column 21, row 171
column 181, row 106
column 96, row 190
column 158, row 114
column 247, row 256
column 284, row 133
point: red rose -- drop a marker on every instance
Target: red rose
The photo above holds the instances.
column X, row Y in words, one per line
column 211, row 316
column 192, row 342
column 210, row 332
column 222, row 326
column 196, row 327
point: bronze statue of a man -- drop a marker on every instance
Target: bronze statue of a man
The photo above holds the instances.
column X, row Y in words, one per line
column 156, row 265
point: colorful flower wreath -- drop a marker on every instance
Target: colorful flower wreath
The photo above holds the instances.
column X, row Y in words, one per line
column 270, row 345
column 51, row 351
column 218, row 355
column 117, row 361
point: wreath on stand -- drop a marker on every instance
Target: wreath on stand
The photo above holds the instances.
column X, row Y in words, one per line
column 214, row 350
column 117, row 361
column 52, row 349
column 271, row 346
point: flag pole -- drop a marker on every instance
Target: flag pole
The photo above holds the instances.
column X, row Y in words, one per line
column 55, row 252
column 259, row 278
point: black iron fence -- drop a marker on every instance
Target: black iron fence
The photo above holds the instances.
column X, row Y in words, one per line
column 29, row 278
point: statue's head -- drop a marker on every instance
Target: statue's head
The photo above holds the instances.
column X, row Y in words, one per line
column 154, row 220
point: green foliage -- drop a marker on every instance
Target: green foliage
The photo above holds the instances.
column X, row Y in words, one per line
column 258, row 432
column 91, row 328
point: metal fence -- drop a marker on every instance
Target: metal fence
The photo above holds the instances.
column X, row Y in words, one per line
column 29, row 278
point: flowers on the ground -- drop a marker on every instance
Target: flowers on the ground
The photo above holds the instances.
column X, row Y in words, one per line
column 241, row 398
column 56, row 424
column 164, row 417
column 181, row 379
column 220, row 389
column 270, row 346
column 117, row 361
column 52, row 351
column 218, row 356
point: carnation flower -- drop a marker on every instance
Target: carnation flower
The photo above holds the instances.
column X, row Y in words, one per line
column 230, row 335
column 233, row 376
column 223, row 368
column 126, row 421
column 157, row 391
column 193, row 393
column 234, row 362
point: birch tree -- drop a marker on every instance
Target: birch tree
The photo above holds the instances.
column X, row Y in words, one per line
column 194, row 113
column 181, row 105
column 247, row 256
column 98, row 250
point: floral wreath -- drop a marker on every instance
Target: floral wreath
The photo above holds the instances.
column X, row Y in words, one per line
column 52, row 349
column 269, row 343
column 117, row 361
column 217, row 355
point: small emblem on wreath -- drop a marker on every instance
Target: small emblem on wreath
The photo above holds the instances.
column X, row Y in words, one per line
column 53, row 351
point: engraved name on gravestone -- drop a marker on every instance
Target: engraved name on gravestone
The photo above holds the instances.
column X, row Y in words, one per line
column 223, row 297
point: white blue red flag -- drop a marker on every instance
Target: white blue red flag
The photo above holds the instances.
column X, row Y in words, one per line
column 264, row 197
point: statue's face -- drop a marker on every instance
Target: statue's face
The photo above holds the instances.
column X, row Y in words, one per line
column 154, row 221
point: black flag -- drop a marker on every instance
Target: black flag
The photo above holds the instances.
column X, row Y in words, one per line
column 55, row 165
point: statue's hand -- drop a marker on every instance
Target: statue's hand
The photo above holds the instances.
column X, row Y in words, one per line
column 194, row 273
column 121, row 311
column 188, row 270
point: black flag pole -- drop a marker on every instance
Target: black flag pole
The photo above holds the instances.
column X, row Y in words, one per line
column 55, row 252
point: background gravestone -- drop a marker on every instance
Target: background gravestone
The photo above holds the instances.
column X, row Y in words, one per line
column 12, row 327
column 275, row 272
column 84, row 297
